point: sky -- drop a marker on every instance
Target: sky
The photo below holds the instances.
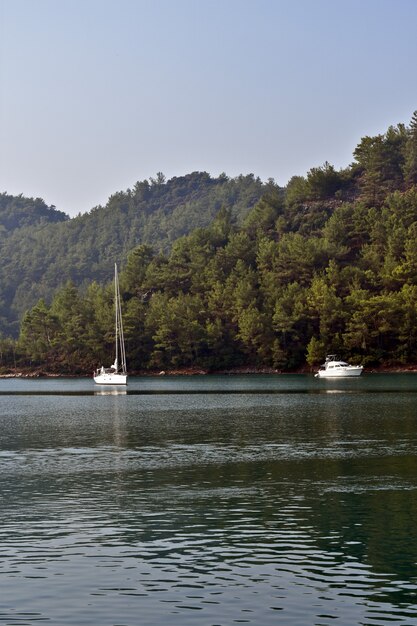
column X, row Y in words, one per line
column 96, row 95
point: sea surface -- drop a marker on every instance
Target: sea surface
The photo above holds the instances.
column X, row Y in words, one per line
column 209, row 501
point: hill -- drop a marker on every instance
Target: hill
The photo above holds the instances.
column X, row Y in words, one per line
column 17, row 212
column 41, row 248
column 329, row 265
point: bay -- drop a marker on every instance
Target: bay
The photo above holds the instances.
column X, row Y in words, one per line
column 211, row 500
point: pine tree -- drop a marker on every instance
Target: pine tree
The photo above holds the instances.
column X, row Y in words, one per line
column 410, row 166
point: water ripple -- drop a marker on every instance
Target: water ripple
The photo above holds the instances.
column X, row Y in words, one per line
column 257, row 508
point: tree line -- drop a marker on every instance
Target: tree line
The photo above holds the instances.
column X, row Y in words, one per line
column 327, row 265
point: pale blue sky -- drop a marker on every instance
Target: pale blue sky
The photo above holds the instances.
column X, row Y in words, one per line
column 98, row 94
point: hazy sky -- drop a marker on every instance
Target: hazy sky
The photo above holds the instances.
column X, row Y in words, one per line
column 98, row 94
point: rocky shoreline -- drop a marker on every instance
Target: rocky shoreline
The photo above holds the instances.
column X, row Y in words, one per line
column 189, row 371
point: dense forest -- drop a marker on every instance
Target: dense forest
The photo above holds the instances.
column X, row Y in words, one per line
column 328, row 264
column 41, row 248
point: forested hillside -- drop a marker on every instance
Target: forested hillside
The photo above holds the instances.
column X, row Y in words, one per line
column 17, row 212
column 329, row 266
column 41, row 248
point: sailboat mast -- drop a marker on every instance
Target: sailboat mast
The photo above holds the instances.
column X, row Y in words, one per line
column 116, row 306
column 120, row 340
column 117, row 373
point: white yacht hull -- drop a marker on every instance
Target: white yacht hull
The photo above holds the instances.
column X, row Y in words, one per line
column 110, row 379
column 341, row 372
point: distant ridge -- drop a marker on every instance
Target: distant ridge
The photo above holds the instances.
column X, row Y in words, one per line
column 42, row 248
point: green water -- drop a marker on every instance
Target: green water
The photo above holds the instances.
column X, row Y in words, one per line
column 212, row 501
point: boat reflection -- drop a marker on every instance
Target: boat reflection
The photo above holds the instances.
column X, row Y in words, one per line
column 114, row 391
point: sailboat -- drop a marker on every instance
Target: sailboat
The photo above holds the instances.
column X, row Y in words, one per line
column 117, row 373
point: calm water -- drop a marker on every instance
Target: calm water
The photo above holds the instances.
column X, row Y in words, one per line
column 212, row 501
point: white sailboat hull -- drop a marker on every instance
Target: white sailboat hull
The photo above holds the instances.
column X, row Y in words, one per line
column 110, row 379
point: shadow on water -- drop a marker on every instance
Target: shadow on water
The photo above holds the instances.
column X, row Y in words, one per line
column 187, row 392
column 215, row 384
